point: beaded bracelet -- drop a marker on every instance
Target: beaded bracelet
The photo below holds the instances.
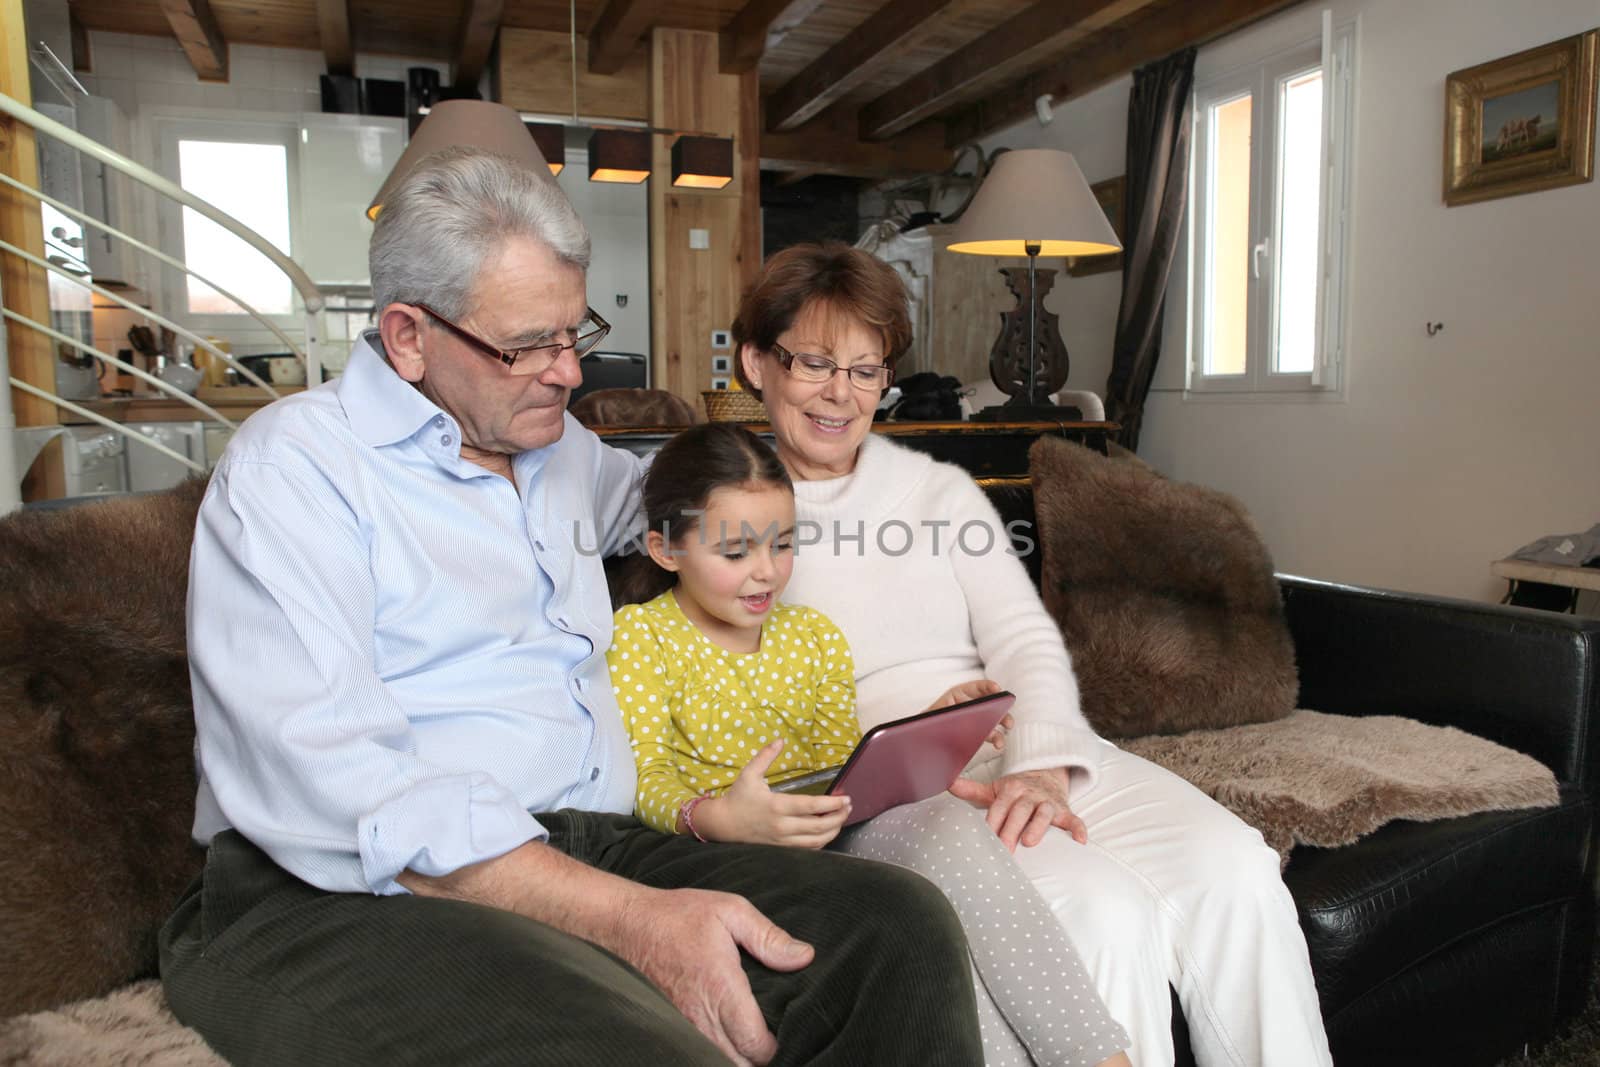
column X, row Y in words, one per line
column 686, row 814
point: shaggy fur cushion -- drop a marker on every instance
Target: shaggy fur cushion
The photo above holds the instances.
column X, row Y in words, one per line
column 1327, row 780
column 1165, row 596
column 97, row 779
column 131, row 1026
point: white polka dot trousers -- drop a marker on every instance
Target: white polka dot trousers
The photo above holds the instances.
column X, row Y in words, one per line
column 1172, row 888
column 1036, row 1002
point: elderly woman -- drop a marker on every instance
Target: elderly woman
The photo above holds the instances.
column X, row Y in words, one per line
column 1168, row 888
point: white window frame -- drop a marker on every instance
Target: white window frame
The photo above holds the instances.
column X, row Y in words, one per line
column 1334, row 50
column 248, row 128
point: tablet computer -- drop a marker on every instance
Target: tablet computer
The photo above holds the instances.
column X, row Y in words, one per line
column 908, row 760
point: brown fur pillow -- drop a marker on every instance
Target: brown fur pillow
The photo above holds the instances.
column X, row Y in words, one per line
column 97, row 779
column 1165, row 596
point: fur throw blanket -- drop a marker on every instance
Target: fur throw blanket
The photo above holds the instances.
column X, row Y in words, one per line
column 132, row 1025
column 97, row 779
column 1328, row 780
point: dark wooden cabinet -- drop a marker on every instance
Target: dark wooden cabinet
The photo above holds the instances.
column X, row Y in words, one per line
column 994, row 452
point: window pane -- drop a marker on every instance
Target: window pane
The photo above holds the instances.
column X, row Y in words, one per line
column 1300, row 198
column 251, row 183
column 1228, row 272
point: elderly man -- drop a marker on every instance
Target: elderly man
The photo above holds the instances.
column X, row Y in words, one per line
column 397, row 653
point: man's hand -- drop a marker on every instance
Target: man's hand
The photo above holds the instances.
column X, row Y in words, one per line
column 687, row 942
column 752, row 813
column 1023, row 806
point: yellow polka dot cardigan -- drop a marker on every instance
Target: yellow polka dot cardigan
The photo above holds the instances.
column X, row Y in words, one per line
column 697, row 713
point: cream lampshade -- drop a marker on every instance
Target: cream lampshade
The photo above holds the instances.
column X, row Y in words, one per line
column 1034, row 196
column 1034, row 202
column 475, row 123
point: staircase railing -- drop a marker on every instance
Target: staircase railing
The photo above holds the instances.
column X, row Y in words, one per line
column 310, row 297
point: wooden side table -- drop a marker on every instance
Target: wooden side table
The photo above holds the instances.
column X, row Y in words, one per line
column 1551, row 586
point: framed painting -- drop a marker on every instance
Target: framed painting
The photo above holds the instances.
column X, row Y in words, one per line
column 1112, row 197
column 1522, row 123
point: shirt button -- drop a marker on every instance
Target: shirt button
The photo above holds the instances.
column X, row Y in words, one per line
column 579, row 684
column 594, row 774
column 538, row 546
column 561, row 621
column 445, row 440
column 438, row 422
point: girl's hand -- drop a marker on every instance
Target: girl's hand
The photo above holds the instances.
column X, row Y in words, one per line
column 960, row 694
column 752, row 813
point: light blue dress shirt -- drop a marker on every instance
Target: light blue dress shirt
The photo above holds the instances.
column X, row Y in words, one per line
column 397, row 655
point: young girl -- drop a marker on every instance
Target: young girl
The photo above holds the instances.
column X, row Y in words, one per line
column 725, row 689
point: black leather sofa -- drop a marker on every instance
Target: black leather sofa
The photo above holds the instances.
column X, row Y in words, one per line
column 1454, row 942
column 1461, row 941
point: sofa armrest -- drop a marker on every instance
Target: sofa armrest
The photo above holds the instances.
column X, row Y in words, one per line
column 1527, row 679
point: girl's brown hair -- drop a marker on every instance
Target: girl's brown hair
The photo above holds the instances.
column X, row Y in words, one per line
column 679, row 484
column 834, row 277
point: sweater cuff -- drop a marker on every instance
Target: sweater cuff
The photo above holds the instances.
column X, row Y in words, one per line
column 1043, row 746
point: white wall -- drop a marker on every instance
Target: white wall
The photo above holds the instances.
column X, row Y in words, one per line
column 619, row 263
column 1447, row 452
column 151, row 77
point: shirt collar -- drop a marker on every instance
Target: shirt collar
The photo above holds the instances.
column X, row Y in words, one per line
column 382, row 406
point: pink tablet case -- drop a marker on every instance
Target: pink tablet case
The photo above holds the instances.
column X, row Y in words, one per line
column 913, row 759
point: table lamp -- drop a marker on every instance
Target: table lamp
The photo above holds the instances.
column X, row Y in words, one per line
column 1034, row 202
column 474, row 123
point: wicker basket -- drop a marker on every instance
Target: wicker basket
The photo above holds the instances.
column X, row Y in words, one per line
column 733, row 405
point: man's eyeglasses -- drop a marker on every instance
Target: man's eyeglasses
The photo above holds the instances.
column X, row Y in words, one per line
column 586, row 336
column 809, row 368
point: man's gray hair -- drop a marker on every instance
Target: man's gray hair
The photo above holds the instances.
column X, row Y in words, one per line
column 457, row 207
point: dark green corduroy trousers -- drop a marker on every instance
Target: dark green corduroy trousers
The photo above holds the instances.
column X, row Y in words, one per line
column 274, row 971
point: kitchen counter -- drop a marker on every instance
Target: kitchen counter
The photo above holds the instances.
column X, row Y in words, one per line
column 236, row 402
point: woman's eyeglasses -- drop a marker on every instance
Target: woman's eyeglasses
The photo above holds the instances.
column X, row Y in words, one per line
column 809, row 368
column 586, row 336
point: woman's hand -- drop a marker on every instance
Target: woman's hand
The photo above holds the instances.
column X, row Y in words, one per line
column 997, row 736
column 1023, row 806
column 752, row 813
column 960, row 694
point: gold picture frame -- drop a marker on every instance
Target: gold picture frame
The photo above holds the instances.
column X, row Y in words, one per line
column 1522, row 123
column 1112, row 195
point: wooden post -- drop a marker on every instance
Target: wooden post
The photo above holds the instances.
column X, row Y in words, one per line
column 26, row 290
column 694, row 291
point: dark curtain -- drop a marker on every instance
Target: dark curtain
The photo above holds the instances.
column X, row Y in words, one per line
column 1159, row 111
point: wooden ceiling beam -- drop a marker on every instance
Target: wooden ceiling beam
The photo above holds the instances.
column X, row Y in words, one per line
column 759, row 25
column 333, row 30
column 1048, row 24
column 828, row 145
column 855, row 58
column 195, row 27
column 1107, row 55
column 480, row 22
column 616, row 33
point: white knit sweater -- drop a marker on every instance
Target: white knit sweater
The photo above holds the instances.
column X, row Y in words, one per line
column 929, row 596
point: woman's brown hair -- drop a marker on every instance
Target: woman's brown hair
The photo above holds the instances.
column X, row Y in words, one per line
column 833, row 276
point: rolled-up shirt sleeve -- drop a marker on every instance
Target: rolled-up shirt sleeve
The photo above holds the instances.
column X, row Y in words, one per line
column 301, row 745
